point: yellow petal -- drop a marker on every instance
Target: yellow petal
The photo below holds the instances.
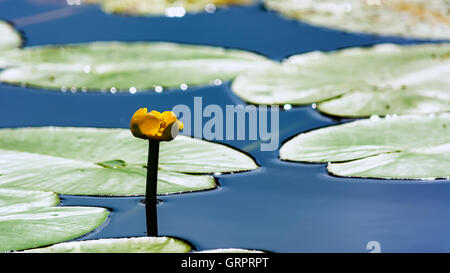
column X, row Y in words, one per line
column 145, row 125
column 149, row 126
column 156, row 114
column 141, row 112
column 134, row 122
column 169, row 117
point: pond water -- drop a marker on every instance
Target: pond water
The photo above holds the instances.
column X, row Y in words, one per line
column 280, row 207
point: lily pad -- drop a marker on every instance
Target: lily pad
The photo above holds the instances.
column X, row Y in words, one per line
column 230, row 250
column 12, row 201
column 43, row 226
column 357, row 82
column 9, row 38
column 78, row 161
column 122, row 245
column 170, row 8
column 131, row 245
column 120, row 66
column 416, row 18
column 398, row 147
column 29, row 219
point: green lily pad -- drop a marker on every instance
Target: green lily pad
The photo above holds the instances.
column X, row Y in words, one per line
column 170, row 8
column 398, row 147
column 29, row 219
column 358, row 82
column 9, row 38
column 72, row 161
column 230, row 250
column 119, row 66
column 43, row 226
column 131, row 245
column 12, row 201
column 417, row 18
column 122, row 245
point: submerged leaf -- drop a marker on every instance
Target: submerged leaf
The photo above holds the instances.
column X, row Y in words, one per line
column 119, row 66
column 170, row 8
column 9, row 38
column 408, row 18
column 44, row 226
column 357, row 82
column 122, row 245
column 88, row 161
column 401, row 147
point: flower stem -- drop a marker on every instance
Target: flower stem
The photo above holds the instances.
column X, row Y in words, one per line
column 151, row 187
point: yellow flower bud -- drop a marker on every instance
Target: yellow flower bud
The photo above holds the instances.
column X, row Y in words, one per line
column 155, row 125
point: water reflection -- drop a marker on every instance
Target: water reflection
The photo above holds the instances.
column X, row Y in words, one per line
column 151, row 218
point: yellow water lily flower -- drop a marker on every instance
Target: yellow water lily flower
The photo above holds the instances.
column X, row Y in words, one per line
column 155, row 125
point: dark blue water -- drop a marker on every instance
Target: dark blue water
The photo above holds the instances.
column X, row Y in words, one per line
column 282, row 206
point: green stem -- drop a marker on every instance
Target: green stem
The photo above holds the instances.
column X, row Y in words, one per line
column 151, row 188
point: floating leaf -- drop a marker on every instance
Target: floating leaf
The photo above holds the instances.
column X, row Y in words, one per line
column 9, row 38
column 29, row 219
column 122, row 245
column 409, row 18
column 400, row 147
column 357, row 82
column 229, row 250
column 170, row 8
column 131, row 245
column 12, row 200
column 118, row 66
column 78, row 161
column 44, row 226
